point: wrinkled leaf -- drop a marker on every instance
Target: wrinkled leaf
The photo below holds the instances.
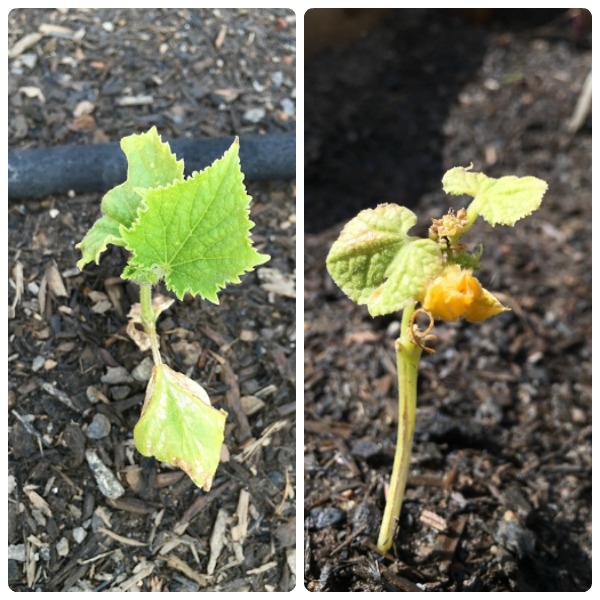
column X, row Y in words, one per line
column 150, row 164
column 179, row 425
column 499, row 201
column 375, row 262
column 461, row 180
column 509, row 199
column 194, row 233
column 407, row 277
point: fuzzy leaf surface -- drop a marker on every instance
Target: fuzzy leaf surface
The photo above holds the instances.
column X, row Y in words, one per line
column 461, row 180
column 509, row 199
column 375, row 262
column 150, row 164
column 179, row 425
column 499, row 201
column 195, row 233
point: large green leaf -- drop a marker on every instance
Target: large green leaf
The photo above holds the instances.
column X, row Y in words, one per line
column 375, row 262
column 194, row 233
column 499, row 201
column 179, row 425
column 150, row 164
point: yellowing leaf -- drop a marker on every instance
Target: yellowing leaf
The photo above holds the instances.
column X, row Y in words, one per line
column 179, row 425
column 461, row 180
column 375, row 262
column 499, row 201
column 509, row 199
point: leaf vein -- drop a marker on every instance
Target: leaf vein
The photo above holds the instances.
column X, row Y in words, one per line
column 201, row 217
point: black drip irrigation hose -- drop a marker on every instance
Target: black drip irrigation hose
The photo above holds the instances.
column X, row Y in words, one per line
column 96, row 168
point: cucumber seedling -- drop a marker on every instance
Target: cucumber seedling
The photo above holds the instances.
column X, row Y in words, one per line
column 193, row 233
column 376, row 262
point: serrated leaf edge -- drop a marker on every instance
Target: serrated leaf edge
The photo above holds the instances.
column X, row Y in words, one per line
column 511, row 222
column 143, row 207
column 111, row 239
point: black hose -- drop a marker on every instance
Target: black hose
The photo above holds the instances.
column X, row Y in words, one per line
column 96, row 168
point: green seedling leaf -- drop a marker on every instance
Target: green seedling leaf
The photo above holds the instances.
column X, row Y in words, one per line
column 461, row 180
column 509, row 199
column 150, row 164
column 375, row 262
column 499, row 201
column 194, row 233
column 179, row 425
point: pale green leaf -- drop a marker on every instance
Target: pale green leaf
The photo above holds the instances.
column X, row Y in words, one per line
column 509, row 199
column 150, row 164
column 195, row 233
column 414, row 266
column 461, row 180
column 179, row 425
column 499, row 201
column 375, row 262
column 103, row 232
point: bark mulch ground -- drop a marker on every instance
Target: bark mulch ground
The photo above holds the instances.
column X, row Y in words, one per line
column 499, row 492
column 76, row 381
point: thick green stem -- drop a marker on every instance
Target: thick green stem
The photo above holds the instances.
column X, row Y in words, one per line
column 407, row 358
column 149, row 320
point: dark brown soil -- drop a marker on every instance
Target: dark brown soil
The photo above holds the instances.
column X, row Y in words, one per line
column 205, row 72
column 499, row 492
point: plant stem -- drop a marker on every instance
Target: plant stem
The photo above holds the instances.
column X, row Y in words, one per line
column 149, row 320
column 407, row 358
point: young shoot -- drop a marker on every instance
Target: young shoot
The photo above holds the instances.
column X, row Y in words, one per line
column 193, row 233
column 376, row 262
